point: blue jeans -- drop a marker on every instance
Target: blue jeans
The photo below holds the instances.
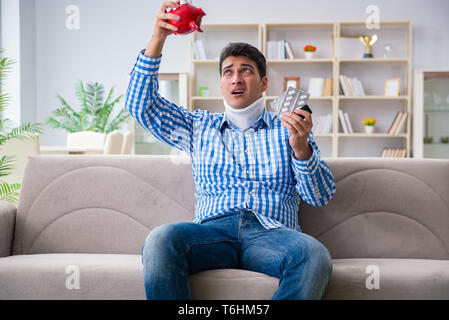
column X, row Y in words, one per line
column 173, row 251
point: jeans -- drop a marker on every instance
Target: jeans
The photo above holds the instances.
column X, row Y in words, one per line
column 173, row 251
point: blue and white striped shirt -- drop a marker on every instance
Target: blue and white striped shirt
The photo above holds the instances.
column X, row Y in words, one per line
column 234, row 170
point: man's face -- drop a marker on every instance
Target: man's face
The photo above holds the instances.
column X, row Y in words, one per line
column 240, row 82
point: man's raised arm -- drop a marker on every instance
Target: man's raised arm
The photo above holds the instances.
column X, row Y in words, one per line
column 168, row 122
column 162, row 29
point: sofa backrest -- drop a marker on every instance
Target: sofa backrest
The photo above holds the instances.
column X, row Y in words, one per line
column 384, row 208
column 100, row 204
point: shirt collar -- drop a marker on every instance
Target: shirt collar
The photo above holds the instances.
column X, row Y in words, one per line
column 266, row 119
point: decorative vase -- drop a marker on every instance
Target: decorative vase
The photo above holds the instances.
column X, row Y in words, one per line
column 309, row 54
column 369, row 129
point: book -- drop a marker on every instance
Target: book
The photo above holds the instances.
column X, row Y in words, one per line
column 328, row 87
column 289, row 50
column 398, row 123
column 279, row 50
column 360, row 88
column 393, row 153
column 272, row 50
column 345, row 86
column 394, row 123
column 328, row 123
column 315, row 87
column 343, row 121
column 401, row 123
column 318, row 126
column 351, row 86
column 198, row 49
column 353, row 89
column 348, row 123
column 323, row 124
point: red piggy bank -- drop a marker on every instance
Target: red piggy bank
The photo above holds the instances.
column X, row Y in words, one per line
column 190, row 19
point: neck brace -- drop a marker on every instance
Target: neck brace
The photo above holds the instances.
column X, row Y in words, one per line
column 246, row 117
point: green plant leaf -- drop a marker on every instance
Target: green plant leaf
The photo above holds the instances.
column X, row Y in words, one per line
column 6, row 165
column 10, row 192
column 94, row 113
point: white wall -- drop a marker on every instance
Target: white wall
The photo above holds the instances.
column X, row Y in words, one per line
column 113, row 31
column 10, row 41
column 18, row 39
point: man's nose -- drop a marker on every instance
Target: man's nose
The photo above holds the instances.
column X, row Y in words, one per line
column 237, row 78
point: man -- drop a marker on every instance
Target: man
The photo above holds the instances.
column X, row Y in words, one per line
column 249, row 168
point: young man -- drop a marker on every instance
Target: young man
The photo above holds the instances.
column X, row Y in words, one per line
column 250, row 168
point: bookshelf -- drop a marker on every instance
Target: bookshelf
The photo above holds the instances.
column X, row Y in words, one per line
column 373, row 73
column 338, row 53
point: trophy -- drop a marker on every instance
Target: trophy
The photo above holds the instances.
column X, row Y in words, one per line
column 368, row 42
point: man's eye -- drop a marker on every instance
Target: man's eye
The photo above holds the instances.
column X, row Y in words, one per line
column 227, row 72
column 247, row 70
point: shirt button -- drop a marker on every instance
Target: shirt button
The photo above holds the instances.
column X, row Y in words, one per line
column 251, row 192
column 247, row 171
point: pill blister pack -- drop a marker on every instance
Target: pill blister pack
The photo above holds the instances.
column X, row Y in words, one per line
column 290, row 100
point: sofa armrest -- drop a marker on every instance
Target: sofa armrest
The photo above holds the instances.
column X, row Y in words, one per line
column 7, row 222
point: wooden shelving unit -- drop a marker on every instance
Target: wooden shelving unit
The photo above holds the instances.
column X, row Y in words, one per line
column 336, row 55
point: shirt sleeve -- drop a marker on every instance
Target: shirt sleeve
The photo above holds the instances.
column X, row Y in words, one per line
column 168, row 122
column 315, row 181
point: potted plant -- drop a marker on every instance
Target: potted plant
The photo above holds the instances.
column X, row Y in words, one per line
column 94, row 112
column 369, row 124
column 10, row 192
column 309, row 51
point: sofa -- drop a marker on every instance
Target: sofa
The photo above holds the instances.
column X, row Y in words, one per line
column 81, row 220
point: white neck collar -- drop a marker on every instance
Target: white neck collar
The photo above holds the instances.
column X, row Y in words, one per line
column 246, row 117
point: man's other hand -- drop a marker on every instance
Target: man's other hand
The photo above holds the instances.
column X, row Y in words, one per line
column 299, row 132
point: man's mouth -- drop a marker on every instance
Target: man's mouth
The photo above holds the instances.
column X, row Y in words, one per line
column 237, row 92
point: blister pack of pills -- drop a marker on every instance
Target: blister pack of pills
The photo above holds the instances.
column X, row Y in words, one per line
column 290, row 100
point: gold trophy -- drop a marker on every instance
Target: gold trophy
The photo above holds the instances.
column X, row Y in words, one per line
column 368, row 42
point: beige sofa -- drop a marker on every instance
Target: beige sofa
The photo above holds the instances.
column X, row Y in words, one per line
column 81, row 221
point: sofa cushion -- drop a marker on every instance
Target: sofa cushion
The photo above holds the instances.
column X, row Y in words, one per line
column 98, row 204
column 114, row 276
column 398, row 279
column 118, row 276
column 384, row 208
column 229, row 284
column 53, row 276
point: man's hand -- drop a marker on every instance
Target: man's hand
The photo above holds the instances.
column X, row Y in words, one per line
column 299, row 132
column 162, row 29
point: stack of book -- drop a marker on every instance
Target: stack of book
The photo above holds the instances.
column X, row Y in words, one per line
column 322, row 124
column 393, row 153
column 344, row 122
column 321, row 87
column 351, row 86
column 198, row 50
column 398, row 123
column 279, row 50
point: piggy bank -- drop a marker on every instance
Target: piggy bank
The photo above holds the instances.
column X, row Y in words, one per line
column 190, row 19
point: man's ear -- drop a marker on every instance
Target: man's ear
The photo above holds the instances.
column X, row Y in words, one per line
column 264, row 83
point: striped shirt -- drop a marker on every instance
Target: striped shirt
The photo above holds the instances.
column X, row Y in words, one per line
column 234, row 170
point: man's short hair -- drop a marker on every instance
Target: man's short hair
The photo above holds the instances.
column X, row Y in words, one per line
column 238, row 49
